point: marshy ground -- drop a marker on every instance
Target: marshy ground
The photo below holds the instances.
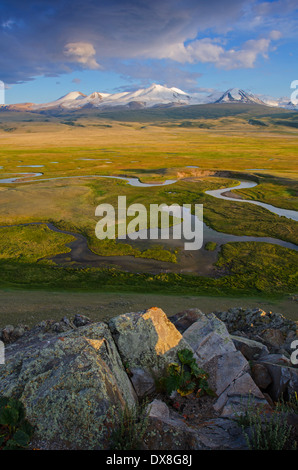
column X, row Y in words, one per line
column 38, row 259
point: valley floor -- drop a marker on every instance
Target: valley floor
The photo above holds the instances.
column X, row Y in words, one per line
column 31, row 307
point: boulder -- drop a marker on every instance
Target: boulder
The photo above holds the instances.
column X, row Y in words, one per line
column 227, row 368
column 147, row 340
column 71, row 386
column 209, row 337
column 261, row 376
column 183, row 320
column 81, row 320
column 284, row 380
column 274, row 337
column 249, row 348
column 142, row 381
column 6, row 333
column 167, row 431
column 224, row 369
column 275, row 359
column 240, row 393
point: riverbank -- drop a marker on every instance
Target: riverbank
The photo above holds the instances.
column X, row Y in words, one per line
column 31, row 307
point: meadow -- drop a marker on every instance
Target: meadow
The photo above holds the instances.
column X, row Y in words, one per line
column 201, row 148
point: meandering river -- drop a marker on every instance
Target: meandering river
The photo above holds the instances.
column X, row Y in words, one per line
column 199, row 261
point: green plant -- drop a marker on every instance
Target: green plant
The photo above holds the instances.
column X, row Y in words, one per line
column 267, row 432
column 15, row 430
column 289, row 406
column 129, row 427
column 186, row 377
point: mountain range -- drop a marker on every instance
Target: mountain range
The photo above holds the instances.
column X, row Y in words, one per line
column 154, row 96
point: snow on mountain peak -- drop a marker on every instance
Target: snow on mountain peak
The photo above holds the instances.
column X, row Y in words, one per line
column 237, row 95
column 156, row 95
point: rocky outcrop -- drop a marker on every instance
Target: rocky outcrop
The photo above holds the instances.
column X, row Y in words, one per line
column 228, row 369
column 74, row 376
column 167, row 431
column 272, row 330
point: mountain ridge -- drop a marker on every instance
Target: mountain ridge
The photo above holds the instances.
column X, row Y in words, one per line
column 154, row 96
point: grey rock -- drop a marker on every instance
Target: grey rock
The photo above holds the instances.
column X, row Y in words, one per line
column 249, row 348
column 224, row 370
column 240, row 392
column 81, row 320
column 158, row 409
column 142, row 381
column 166, row 431
column 280, row 359
column 261, row 376
column 147, row 340
column 209, row 337
column 284, row 380
column 185, row 319
column 70, row 384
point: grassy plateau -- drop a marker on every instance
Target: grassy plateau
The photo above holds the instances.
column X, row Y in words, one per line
column 199, row 147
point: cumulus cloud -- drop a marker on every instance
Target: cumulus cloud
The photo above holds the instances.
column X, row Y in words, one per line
column 83, row 53
column 55, row 37
column 208, row 50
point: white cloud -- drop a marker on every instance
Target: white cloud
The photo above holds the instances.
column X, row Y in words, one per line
column 82, row 53
column 208, row 50
column 275, row 35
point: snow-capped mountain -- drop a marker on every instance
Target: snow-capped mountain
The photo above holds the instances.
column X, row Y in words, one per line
column 153, row 96
column 235, row 95
column 146, row 97
column 283, row 102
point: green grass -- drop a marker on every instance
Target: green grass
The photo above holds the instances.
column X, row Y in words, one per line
column 28, row 244
column 210, row 246
column 153, row 145
column 275, row 192
column 248, row 269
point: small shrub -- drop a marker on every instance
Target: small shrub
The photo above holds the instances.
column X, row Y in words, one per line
column 290, row 406
column 248, row 408
column 15, row 430
column 267, row 432
column 129, row 427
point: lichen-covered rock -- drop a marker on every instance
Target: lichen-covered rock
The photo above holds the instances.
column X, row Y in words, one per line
column 81, row 320
column 271, row 329
column 147, row 340
column 70, row 385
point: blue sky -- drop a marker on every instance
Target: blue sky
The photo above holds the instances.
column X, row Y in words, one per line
column 48, row 48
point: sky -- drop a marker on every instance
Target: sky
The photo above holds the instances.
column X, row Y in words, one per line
column 49, row 48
